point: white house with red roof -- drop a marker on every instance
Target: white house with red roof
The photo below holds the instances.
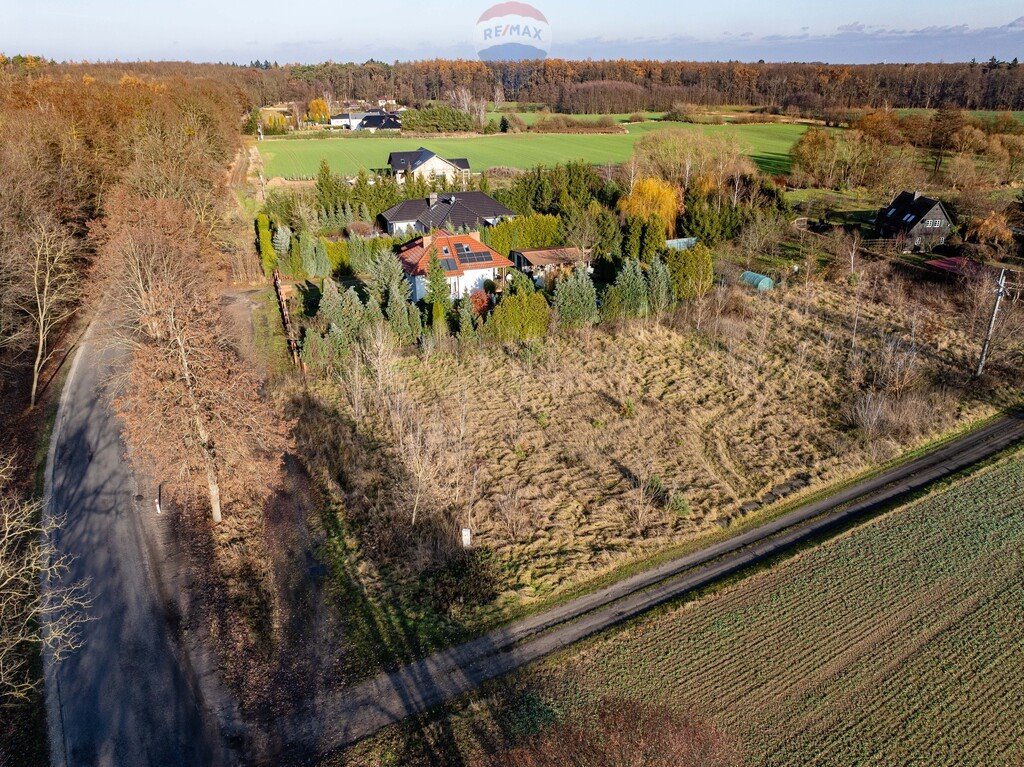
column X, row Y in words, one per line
column 466, row 261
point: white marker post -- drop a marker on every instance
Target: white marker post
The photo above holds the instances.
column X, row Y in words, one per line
column 467, row 538
column 159, row 490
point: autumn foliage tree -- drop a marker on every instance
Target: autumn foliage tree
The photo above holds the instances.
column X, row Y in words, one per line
column 193, row 411
column 652, row 197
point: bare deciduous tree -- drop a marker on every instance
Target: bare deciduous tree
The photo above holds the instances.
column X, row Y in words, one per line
column 49, row 287
column 28, row 558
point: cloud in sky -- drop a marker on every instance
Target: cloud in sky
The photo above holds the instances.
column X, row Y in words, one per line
column 346, row 30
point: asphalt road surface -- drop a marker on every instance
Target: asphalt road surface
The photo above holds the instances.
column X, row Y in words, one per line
column 338, row 720
column 124, row 699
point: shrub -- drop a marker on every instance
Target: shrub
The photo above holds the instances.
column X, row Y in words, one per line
column 711, row 221
column 437, row 118
column 691, row 271
column 520, row 317
column 512, row 123
column 535, row 231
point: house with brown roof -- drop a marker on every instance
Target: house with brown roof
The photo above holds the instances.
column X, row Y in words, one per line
column 546, row 263
column 466, row 261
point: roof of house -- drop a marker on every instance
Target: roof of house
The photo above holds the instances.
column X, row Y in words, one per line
column 553, row 256
column 907, row 210
column 452, row 210
column 410, row 161
column 958, row 265
column 381, row 122
column 457, row 253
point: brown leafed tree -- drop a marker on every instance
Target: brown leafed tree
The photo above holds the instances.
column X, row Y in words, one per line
column 625, row 733
column 193, row 411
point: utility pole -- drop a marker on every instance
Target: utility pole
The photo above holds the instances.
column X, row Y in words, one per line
column 1000, row 292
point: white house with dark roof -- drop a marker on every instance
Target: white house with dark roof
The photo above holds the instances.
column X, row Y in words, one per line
column 422, row 163
column 445, row 210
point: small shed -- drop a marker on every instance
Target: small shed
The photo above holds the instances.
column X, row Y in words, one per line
column 759, row 282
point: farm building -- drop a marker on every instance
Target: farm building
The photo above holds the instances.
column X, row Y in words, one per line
column 448, row 210
column 466, row 261
column 422, row 163
column 919, row 221
column 544, row 263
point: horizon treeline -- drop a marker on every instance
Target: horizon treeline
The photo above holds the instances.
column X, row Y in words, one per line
column 601, row 86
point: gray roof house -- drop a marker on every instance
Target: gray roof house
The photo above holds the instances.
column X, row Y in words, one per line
column 426, row 164
column 447, row 210
column 921, row 222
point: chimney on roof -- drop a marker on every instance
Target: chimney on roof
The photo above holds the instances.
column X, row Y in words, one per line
column 432, row 199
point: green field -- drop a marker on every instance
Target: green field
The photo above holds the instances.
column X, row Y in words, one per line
column 897, row 643
column 768, row 144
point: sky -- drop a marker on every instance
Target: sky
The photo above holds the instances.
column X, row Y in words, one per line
column 309, row 31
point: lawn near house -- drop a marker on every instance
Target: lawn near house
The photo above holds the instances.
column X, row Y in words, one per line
column 768, row 144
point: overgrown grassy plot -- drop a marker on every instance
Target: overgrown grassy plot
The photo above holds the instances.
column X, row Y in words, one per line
column 767, row 144
column 896, row 643
column 586, row 455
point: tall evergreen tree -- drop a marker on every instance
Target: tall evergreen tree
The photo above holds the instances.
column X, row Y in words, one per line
column 632, row 289
column 282, row 240
column 467, row 321
column 438, row 294
column 659, row 287
column 576, row 300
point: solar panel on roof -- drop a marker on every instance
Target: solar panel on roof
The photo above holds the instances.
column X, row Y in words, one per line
column 448, row 264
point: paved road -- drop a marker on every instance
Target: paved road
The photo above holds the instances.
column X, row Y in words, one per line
column 335, row 721
column 125, row 699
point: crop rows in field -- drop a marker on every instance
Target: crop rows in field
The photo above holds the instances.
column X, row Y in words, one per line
column 897, row 644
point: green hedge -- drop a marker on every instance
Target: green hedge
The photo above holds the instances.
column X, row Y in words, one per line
column 265, row 244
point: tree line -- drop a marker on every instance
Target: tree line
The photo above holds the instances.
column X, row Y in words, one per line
column 627, row 85
column 595, row 86
column 113, row 208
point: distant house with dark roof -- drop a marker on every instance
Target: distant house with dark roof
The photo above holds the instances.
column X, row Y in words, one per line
column 447, row 210
column 921, row 222
column 544, row 263
column 372, row 120
column 422, row 163
column 374, row 123
column 466, row 261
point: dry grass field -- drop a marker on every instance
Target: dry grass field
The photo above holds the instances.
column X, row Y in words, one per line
column 589, row 453
column 895, row 643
